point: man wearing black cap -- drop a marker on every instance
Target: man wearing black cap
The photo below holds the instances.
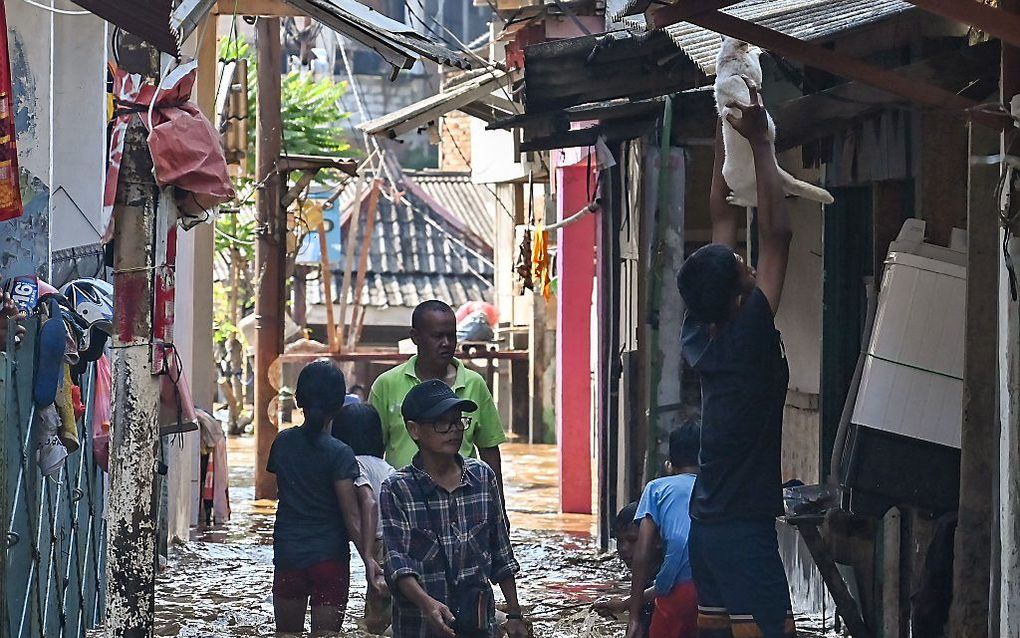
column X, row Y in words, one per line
column 445, row 530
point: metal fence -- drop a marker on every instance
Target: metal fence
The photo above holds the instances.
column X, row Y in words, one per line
column 52, row 570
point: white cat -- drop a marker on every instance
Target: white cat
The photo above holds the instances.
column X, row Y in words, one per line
column 736, row 61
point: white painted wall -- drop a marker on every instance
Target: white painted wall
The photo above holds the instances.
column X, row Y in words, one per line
column 78, row 127
column 800, row 316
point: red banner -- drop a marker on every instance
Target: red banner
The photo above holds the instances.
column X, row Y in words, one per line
column 10, row 188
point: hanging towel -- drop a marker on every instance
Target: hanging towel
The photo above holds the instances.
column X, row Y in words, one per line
column 540, row 275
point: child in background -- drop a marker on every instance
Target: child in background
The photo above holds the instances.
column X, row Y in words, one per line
column 664, row 515
column 625, row 531
column 359, row 426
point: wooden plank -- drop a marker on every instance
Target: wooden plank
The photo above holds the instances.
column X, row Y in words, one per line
column 979, row 447
column 993, row 21
column 268, row 8
column 588, row 136
column 358, row 313
column 301, row 184
column 841, row 65
column 317, row 162
column 846, row 606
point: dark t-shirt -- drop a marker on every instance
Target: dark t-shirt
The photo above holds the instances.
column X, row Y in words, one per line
column 309, row 525
column 744, row 376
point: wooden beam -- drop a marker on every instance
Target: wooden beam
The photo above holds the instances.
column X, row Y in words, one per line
column 681, row 11
column 266, row 8
column 844, row 66
column 301, row 184
column 821, row 114
column 993, row 21
column 317, row 162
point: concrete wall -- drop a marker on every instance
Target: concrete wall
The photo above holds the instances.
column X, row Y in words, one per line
column 382, row 97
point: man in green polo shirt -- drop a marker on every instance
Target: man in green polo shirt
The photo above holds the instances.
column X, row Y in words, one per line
column 434, row 331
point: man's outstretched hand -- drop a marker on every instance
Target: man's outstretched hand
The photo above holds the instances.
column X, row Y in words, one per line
column 753, row 122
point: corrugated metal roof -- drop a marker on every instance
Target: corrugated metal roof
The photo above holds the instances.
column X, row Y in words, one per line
column 149, row 20
column 801, row 19
column 474, row 204
column 395, row 41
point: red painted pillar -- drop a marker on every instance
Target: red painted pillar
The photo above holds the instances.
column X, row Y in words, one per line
column 576, row 272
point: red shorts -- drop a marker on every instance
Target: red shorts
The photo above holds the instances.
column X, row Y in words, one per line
column 327, row 583
column 676, row 613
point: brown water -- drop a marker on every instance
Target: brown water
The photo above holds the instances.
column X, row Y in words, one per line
column 219, row 584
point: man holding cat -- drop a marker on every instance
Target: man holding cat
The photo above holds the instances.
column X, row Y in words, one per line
column 730, row 338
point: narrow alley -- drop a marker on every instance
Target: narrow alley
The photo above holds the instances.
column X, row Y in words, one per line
column 720, row 296
column 219, row 584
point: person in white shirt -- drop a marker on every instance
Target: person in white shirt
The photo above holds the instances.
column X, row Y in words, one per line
column 359, row 426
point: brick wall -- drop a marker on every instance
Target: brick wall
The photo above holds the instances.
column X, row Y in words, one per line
column 455, row 142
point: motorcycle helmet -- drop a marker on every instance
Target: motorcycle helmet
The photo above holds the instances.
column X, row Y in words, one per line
column 92, row 299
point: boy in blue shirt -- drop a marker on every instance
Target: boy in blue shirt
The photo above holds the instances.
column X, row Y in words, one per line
column 663, row 514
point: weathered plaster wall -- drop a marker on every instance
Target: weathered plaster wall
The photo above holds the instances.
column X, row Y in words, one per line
column 24, row 243
column 58, row 69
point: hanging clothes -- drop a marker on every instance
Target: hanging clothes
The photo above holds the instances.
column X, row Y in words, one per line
column 540, row 271
column 65, row 408
column 522, row 262
column 214, row 480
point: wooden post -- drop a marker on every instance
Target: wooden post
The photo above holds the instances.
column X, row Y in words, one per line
column 326, row 276
column 300, row 285
column 345, row 286
column 271, row 249
column 969, row 616
column 131, row 514
column 357, row 314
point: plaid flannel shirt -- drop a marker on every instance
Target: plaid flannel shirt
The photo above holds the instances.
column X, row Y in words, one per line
column 469, row 522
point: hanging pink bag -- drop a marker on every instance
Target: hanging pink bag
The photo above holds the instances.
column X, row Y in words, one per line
column 186, row 150
column 102, row 413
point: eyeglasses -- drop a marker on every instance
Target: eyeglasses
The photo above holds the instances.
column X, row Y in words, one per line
column 445, row 427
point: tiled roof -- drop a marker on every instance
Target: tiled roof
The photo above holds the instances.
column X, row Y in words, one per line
column 417, row 254
column 801, row 19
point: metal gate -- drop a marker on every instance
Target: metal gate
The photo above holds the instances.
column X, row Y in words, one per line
column 52, row 574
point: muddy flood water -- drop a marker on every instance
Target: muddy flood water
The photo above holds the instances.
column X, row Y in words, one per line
column 219, row 585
